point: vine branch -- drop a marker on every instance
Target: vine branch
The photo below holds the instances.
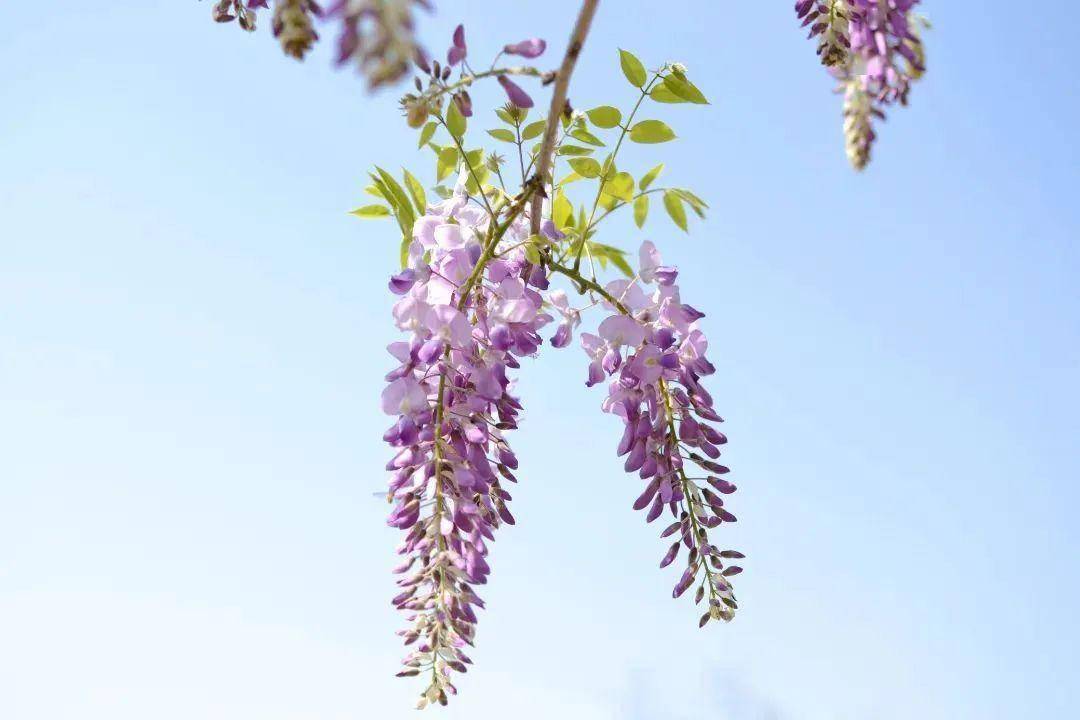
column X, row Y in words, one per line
column 558, row 102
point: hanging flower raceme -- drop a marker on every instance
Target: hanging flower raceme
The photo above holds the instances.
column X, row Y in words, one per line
column 471, row 307
column 376, row 35
column 873, row 49
column 828, row 21
column 653, row 351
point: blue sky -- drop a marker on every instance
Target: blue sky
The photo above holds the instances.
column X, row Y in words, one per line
column 191, row 334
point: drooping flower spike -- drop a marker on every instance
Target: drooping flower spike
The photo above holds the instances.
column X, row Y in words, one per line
column 471, row 307
column 873, row 49
column 652, row 349
column 474, row 293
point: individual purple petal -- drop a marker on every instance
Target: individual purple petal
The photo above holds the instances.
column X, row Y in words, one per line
column 403, row 281
column 669, row 556
column 517, row 96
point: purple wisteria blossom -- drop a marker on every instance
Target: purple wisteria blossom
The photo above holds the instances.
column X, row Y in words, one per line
column 873, row 49
column 531, row 48
column 517, row 96
column 452, row 397
column 652, row 350
column 458, row 50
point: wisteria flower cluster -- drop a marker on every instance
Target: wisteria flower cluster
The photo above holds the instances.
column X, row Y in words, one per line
column 489, row 273
column 377, row 36
column 471, row 307
column 873, row 49
column 656, row 391
column 476, row 292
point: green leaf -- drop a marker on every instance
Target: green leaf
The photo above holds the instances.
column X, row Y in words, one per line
column 697, row 204
column 616, row 256
column 683, row 88
column 426, row 133
column 403, row 250
column 416, row 191
column 662, row 94
column 621, row 186
column 479, row 173
column 605, row 116
column 371, row 211
column 674, row 206
column 632, row 68
column 561, row 210
column 373, row 190
column 533, row 130
column 448, row 159
column 647, row 178
column 608, row 167
column 641, row 210
column 475, row 158
column 587, row 137
column 585, row 167
column 651, row 131
column 505, row 116
column 502, row 134
column 572, row 177
column 532, row 252
column 405, row 216
column 574, row 150
column 455, row 121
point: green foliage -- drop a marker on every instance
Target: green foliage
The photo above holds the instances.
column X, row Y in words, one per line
column 574, row 150
column 641, row 210
column 605, row 117
column 632, row 68
column 562, row 212
column 371, row 211
column 427, row 133
column 647, row 178
column 585, row 167
column 502, row 134
column 446, row 162
column 608, row 253
column 661, row 93
column 679, row 86
column 620, row 187
column 651, row 132
column 586, row 137
column 400, row 205
column 455, row 121
column 533, row 130
column 416, row 191
column 673, row 203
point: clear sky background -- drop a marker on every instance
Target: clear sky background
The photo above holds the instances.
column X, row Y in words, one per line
column 191, row 352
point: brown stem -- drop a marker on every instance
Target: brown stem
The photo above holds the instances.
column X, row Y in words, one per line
column 558, row 102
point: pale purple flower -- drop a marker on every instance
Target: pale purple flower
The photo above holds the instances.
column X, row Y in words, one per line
column 531, row 48
column 666, row 412
column 458, row 50
column 451, row 395
column 517, row 96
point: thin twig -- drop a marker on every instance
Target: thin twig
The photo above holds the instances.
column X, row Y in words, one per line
column 558, row 102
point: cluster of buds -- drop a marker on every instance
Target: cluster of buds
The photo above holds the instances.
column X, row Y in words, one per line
column 859, row 114
column 294, row 27
column 418, row 107
column 378, row 36
column 828, row 21
column 873, row 49
column 242, row 11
